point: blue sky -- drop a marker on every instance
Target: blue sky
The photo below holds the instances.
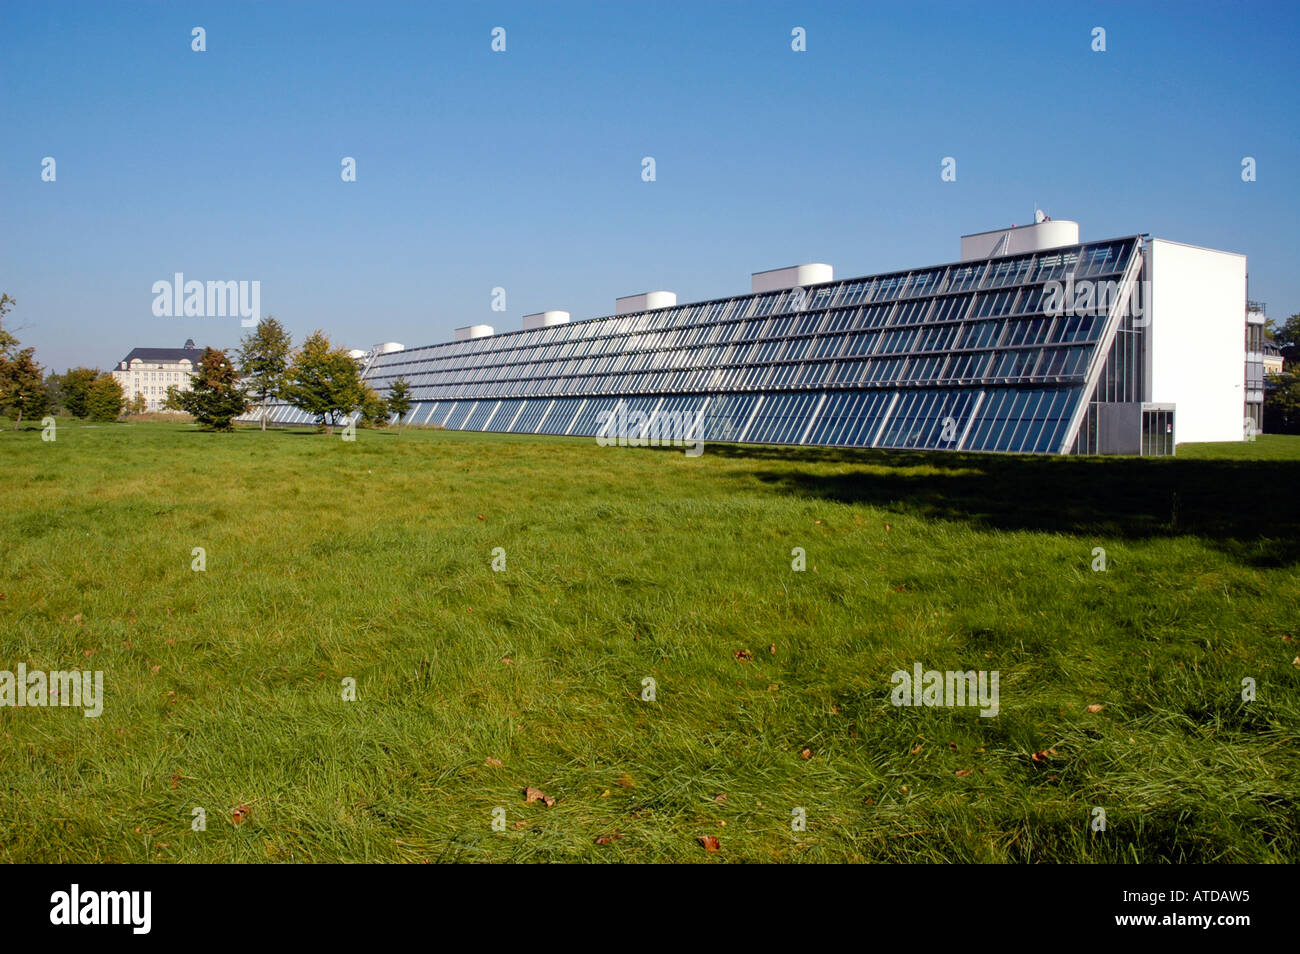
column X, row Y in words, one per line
column 522, row 169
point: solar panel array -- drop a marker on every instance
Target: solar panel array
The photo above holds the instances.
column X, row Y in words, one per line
column 955, row 356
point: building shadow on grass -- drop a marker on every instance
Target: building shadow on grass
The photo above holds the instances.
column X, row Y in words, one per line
column 1248, row 509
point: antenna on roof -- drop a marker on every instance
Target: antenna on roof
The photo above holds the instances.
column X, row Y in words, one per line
column 1039, row 214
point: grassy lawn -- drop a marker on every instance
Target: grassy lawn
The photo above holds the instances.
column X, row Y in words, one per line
column 372, row 560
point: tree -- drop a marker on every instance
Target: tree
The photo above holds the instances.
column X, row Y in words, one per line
column 76, row 390
column 8, row 343
column 1282, row 403
column 216, row 396
column 1287, row 338
column 324, row 381
column 138, row 404
column 22, row 386
column 104, row 399
column 399, row 399
column 374, row 409
column 264, row 361
column 54, row 390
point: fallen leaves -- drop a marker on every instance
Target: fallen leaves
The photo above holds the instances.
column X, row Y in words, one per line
column 240, row 814
column 771, row 648
column 625, row 781
column 612, row 836
column 532, row 795
column 805, row 754
column 962, row 773
column 494, row 762
column 710, row 843
column 744, row 655
column 1044, row 755
column 1095, row 707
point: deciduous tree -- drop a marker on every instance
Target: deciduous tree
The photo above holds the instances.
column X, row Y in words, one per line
column 104, row 399
column 324, row 381
column 264, row 361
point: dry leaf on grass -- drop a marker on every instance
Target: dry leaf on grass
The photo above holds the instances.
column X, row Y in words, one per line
column 744, row 654
column 240, row 814
column 537, row 795
column 612, row 836
column 1095, row 707
column 710, row 843
column 806, row 754
column 494, row 762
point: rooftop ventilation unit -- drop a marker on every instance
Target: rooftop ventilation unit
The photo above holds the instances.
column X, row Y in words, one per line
column 796, row 276
column 544, row 319
column 388, row 347
column 1020, row 239
column 473, row 331
column 647, row 302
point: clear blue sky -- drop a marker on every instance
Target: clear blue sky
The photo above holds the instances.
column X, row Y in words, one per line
column 523, row 169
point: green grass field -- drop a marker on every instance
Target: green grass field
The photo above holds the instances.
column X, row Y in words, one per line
column 372, row 560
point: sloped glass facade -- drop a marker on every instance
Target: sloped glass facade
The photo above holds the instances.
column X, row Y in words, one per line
column 974, row 355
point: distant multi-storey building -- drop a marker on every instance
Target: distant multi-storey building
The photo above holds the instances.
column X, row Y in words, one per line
column 151, row 371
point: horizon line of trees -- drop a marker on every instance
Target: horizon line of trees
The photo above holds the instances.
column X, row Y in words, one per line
column 316, row 377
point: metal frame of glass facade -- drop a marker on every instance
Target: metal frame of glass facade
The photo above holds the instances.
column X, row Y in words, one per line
column 963, row 356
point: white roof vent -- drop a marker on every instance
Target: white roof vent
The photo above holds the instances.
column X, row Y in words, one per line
column 795, row 276
column 388, row 347
column 473, row 331
column 649, row 301
column 544, row 319
column 1043, row 234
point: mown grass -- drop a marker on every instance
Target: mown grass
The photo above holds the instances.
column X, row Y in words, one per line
column 372, row 560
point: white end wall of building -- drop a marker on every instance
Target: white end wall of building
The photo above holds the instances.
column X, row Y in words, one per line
column 1196, row 358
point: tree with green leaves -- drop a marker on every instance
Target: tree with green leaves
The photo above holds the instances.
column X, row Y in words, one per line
column 216, row 395
column 264, row 361
column 1282, row 403
column 138, row 404
column 104, row 399
column 1287, row 338
column 324, row 381
column 374, row 409
column 399, row 399
column 76, row 390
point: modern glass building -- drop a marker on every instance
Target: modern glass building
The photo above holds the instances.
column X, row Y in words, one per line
column 1024, row 346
